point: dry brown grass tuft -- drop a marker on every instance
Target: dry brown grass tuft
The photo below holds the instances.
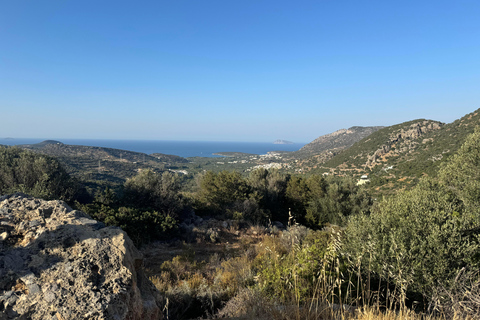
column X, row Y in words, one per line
column 462, row 299
column 369, row 313
column 252, row 305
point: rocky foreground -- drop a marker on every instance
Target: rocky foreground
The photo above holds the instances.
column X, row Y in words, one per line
column 58, row 263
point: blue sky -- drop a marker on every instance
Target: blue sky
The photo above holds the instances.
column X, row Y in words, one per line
column 233, row 70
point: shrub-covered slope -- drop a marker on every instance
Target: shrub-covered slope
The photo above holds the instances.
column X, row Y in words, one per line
column 397, row 156
column 97, row 163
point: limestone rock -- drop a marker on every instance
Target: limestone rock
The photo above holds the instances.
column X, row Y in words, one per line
column 58, row 263
column 404, row 140
column 338, row 140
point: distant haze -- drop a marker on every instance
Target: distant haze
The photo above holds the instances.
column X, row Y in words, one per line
column 233, row 70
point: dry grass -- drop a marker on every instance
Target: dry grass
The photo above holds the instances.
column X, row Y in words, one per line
column 370, row 313
column 214, row 280
column 252, row 305
column 462, row 299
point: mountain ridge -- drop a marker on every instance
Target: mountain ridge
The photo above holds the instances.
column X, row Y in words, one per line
column 397, row 156
column 340, row 139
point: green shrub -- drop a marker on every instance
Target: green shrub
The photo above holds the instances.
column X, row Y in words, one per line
column 422, row 238
column 220, row 192
column 154, row 192
column 293, row 266
column 37, row 175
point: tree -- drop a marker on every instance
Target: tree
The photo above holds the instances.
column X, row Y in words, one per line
column 298, row 195
column 150, row 190
column 270, row 187
column 38, row 175
column 221, row 192
column 332, row 200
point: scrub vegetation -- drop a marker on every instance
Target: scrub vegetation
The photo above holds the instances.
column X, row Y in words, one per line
column 275, row 245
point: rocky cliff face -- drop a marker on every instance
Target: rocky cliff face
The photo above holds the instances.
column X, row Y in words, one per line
column 58, row 263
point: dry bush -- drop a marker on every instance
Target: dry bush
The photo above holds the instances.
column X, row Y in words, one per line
column 162, row 281
column 250, row 304
column 294, row 235
column 253, row 304
column 258, row 230
column 193, row 289
column 235, row 273
column 272, row 244
column 369, row 313
column 462, row 299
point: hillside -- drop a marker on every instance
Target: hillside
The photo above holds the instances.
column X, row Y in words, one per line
column 228, row 246
column 386, row 143
column 59, row 149
column 440, row 145
column 98, row 163
column 397, row 156
column 335, row 141
column 325, row 147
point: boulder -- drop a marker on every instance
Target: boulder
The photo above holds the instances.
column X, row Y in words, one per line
column 58, row 263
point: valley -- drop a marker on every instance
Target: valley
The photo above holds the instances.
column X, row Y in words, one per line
column 244, row 235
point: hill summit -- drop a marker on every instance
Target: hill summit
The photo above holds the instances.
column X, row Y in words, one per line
column 336, row 141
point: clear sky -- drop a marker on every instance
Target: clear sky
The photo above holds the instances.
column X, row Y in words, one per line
column 233, row 70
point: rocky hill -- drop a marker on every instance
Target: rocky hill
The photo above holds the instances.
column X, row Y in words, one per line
column 438, row 145
column 313, row 155
column 336, row 141
column 58, row 263
column 396, row 157
column 386, row 143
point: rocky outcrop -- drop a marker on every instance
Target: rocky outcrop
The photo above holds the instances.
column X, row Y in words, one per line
column 403, row 140
column 337, row 140
column 415, row 130
column 58, row 263
column 378, row 154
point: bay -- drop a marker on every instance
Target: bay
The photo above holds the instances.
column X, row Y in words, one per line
column 180, row 148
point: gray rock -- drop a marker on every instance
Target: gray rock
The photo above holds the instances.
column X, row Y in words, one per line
column 13, row 261
column 35, row 223
column 65, row 265
column 11, row 300
column 49, row 296
column 33, row 288
column 4, row 298
column 28, row 278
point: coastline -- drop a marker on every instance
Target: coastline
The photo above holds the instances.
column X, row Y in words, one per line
column 186, row 149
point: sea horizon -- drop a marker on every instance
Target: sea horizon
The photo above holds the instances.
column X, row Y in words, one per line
column 182, row 148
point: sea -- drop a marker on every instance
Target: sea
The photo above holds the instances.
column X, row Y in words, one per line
column 184, row 149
